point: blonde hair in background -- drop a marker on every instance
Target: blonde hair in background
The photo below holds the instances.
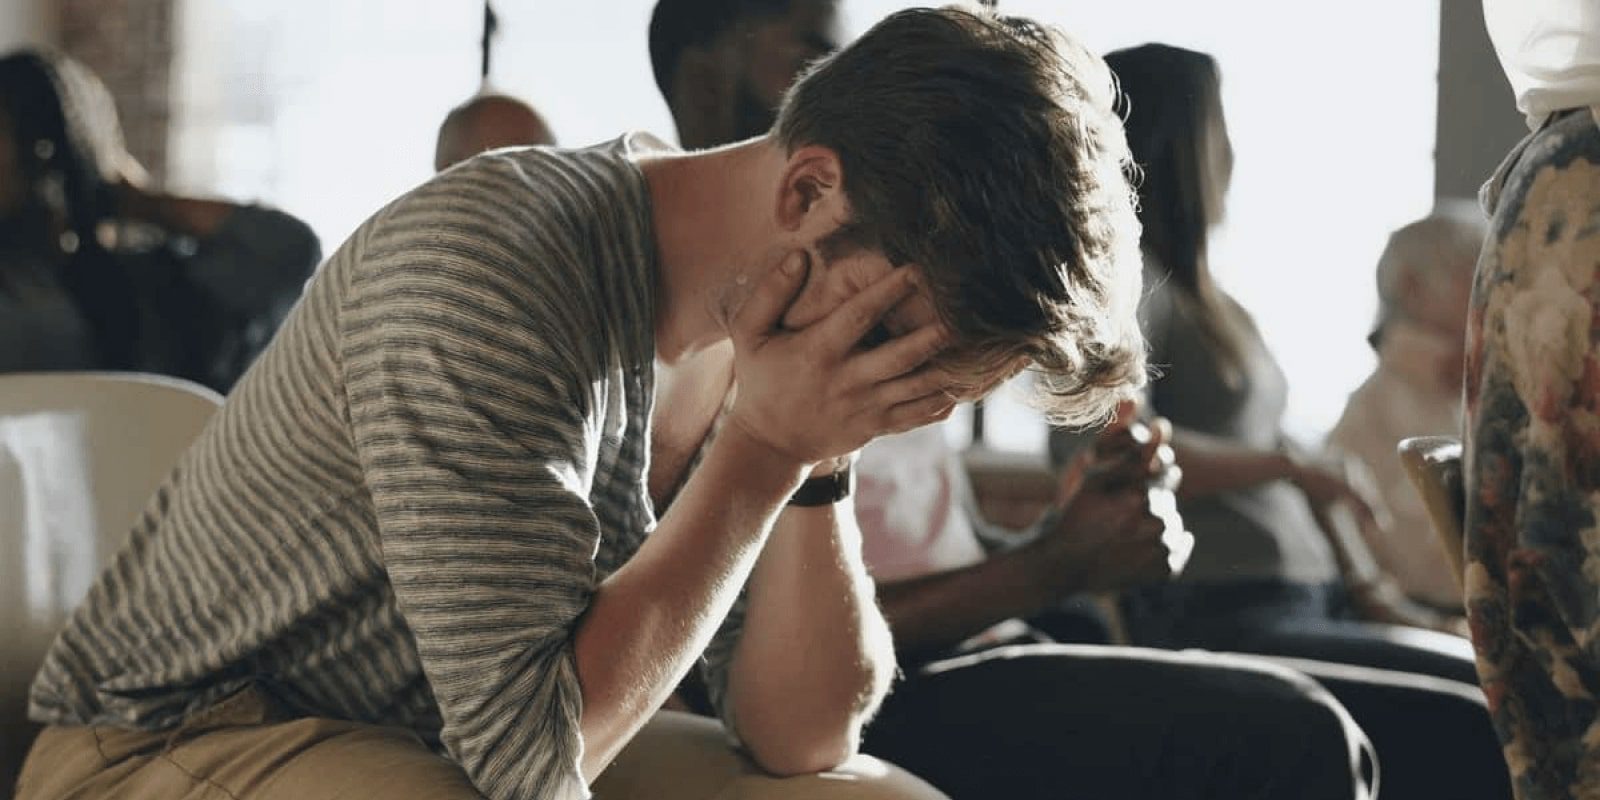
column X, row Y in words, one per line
column 1429, row 252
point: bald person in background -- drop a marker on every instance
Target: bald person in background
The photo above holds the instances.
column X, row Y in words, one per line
column 486, row 122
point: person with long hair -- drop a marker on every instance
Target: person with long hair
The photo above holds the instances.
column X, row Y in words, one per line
column 98, row 272
column 1270, row 567
column 1279, row 567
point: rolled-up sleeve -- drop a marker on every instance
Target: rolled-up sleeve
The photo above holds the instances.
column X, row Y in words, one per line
column 472, row 422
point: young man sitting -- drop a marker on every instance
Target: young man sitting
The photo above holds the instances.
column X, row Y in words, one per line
column 416, row 553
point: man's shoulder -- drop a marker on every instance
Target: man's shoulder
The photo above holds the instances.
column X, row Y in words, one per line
column 510, row 184
column 518, row 212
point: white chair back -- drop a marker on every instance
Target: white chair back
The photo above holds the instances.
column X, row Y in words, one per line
column 80, row 455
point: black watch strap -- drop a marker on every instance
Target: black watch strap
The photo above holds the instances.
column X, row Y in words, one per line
column 824, row 490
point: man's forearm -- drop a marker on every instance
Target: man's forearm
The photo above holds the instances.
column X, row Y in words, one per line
column 815, row 657
column 648, row 621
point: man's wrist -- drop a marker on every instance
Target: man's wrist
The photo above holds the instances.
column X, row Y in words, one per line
column 829, row 466
column 760, row 461
column 824, row 490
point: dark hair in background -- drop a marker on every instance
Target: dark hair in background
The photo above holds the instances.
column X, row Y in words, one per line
column 677, row 25
column 1172, row 108
column 64, row 176
column 986, row 150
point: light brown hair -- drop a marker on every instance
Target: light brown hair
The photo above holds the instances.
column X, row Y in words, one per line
column 985, row 150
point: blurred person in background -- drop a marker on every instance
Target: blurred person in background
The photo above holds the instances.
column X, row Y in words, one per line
column 98, row 272
column 1279, row 565
column 1275, row 568
column 1424, row 283
column 486, row 122
column 723, row 66
column 489, row 119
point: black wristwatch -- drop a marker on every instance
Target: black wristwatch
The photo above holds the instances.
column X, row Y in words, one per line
column 825, row 490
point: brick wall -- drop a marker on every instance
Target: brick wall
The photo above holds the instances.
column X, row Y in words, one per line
column 129, row 44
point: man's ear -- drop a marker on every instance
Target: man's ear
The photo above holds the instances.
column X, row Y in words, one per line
column 811, row 194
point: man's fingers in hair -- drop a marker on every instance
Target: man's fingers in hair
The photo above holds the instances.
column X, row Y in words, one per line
column 921, row 383
column 772, row 296
column 916, row 413
column 900, row 355
column 844, row 327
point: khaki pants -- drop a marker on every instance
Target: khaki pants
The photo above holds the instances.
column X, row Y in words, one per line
column 239, row 751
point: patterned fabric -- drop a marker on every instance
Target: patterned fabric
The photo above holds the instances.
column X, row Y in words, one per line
column 402, row 510
column 1533, row 460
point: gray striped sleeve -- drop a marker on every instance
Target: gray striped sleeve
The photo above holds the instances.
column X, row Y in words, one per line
column 470, row 418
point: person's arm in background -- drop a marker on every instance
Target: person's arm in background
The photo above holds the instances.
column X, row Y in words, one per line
column 246, row 265
column 1214, row 466
column 1108, row 530
column 188, row 216
column 1366, row 432
column 1375, row 593
column 249, row 257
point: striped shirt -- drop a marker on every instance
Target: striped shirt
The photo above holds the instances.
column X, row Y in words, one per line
column 401, row 511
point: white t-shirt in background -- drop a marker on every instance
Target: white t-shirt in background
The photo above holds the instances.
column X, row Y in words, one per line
column 911, row 503
column 1550, row 50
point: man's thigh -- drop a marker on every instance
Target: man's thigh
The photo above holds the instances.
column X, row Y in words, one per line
column 301, row 759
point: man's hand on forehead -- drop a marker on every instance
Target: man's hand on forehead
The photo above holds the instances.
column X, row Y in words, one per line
column 818, row 393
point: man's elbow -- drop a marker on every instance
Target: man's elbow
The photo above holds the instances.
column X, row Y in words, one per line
column 802, row 738
column 806, row 754
column 799, row 731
